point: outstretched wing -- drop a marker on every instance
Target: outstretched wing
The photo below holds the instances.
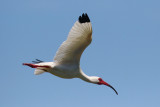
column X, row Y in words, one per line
column 80, row 36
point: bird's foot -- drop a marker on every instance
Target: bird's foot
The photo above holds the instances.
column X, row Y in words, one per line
column 35, row 66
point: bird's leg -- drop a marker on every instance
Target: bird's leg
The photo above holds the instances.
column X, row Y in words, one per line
column 35, row 66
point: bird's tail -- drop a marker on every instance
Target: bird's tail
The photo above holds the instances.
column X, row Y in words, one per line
column 40, row 67
column 38, row 71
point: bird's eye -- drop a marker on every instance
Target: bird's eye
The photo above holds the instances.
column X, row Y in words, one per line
column 100, row 79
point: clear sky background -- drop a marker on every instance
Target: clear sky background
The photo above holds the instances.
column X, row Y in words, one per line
column 125, row 52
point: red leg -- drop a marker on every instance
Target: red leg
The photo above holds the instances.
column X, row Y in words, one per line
column 35, row 66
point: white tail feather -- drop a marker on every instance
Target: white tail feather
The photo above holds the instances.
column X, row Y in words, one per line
column 38, row 71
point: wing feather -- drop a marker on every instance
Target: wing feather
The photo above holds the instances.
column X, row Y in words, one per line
column 80, row 36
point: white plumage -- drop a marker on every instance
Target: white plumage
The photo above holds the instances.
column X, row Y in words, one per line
column 78, row 39
column 67, row 59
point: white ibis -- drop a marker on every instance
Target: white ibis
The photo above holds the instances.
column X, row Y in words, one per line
column 67, row 59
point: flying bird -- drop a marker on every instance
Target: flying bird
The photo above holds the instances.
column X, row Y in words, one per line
column 67, row 59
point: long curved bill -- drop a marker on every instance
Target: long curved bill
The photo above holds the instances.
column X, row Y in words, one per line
column 113, row 89
column 103, row 82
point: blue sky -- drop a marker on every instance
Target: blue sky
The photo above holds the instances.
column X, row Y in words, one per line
column 125, row 52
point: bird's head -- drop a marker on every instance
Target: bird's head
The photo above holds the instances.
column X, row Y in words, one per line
column 100, row 81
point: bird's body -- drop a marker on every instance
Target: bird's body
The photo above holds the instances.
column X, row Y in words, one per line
column 61, row 70
column 67, row 59
column 65, row 71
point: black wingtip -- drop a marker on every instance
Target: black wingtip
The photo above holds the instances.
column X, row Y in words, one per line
column 84, row 18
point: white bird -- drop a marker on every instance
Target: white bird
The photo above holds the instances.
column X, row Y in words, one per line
column 67, row 59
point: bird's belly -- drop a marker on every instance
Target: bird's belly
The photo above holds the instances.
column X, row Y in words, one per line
column 65, row 73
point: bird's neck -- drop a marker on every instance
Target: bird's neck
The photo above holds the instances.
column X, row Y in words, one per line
column 85, row 77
